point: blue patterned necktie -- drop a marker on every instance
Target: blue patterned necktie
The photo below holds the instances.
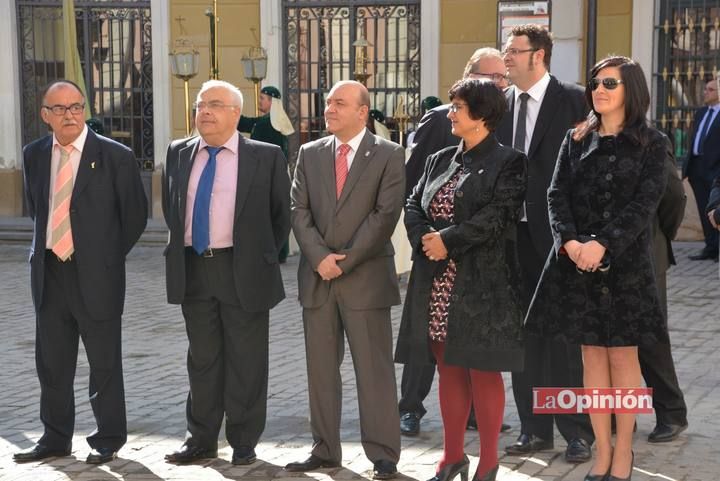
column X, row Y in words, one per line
column 201, row 209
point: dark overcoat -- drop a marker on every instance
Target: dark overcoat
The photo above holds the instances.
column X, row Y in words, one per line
column 485, row 313
column 608, row 187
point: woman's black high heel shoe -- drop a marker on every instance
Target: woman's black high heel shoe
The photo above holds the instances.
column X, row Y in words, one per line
column 489, row 476
column 597, row 477
column 449, row 472
column 632, row 463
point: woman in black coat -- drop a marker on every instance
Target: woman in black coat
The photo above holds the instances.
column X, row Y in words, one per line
column 598, row 287
column 462, row 309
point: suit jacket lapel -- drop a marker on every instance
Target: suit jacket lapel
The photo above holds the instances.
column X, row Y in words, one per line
column 186, row 157
column 504, row 131
column 326, row 161
column 548, row 108
column 88, row 160
column 365, row 152
column 247, row 165
column 45, row 160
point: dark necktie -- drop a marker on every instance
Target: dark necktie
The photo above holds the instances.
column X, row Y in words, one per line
column 201, row 209
column 706, row 127
column 520, row 134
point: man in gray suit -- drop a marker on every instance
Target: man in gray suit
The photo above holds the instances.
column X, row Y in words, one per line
column 345, row 202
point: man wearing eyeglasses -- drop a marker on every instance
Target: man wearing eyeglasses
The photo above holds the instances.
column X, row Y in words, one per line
column 434, row 134
column 226, row 202
column 540, row 111
column 87, row 203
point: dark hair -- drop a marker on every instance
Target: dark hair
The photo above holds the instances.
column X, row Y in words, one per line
column 637, row 99
column 485, row 100
column 538, row 37
column 61, row 81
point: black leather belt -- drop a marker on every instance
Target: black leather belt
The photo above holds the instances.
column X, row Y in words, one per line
column 51, row 254
column 209, row 252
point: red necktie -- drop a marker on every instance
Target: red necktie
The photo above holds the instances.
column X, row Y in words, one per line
column 341, row 168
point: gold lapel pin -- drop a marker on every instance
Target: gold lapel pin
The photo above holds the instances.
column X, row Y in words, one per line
column 481, row 171
column 92, row 165
column 367, row 154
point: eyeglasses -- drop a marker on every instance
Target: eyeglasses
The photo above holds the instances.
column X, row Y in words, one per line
column 511, row 52
column 213, row 106
column 608, row 82
column 61, row 109
column 455, row 108
column 495, row 77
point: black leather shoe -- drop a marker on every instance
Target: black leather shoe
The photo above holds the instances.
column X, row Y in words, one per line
column 311, row 464
column 664, row 433
column 409, row 424
column 577, row 451
column 38, row 452
column 597, row 477
column 615, row 478
column 489, row 476
column 528, row 444
column 101, row 456
column 472, row 425
column 384, row 469
column 449, row 472
column 243, row 455
column 189, row 453
column 505, row 427
column 703, row 255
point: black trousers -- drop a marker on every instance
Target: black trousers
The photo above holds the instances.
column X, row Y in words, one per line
column 548, row 363
column 658, row 370
column 227, row 359
column 701, row 186
column 61, row 321
column 415, row 385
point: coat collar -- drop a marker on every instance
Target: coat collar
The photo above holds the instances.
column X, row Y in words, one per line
column 477, row 153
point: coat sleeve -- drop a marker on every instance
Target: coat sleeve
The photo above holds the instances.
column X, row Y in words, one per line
column 280, row 199
column 377, row 228
column 622, row 231
column 132, row 202
column 562, row 222
column 490, row 221
column 430, row 137
column 311, row 243
column 671, row 209
column 417, row 222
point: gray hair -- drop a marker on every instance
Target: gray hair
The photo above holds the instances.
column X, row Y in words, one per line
column 212, row 84
column 479, row 54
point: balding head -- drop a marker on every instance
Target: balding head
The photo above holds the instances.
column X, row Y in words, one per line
column 346, row 109
column 63, row 110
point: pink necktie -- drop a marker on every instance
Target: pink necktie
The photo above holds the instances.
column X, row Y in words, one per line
column 62, row 241
column 341, row 168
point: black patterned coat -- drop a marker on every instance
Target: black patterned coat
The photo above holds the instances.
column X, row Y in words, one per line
column 485, row 314
column 609, row 187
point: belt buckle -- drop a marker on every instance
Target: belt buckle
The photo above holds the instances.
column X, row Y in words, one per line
column 208, row 253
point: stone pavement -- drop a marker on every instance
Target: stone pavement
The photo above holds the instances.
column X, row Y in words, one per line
column 156, row 384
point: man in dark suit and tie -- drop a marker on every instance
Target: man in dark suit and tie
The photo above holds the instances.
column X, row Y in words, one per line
column 541, row 109
column 346, row 200
column 86, row 199
column 703, row 164
column 434, row 134
column 226, row 203
column 656, row 362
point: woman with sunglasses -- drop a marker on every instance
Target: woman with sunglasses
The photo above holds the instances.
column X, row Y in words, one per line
column 598, row 287
column 462, row 310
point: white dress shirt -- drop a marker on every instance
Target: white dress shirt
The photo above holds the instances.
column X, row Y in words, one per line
column 354, row 144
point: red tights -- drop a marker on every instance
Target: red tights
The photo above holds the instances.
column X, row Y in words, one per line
column 460, row 387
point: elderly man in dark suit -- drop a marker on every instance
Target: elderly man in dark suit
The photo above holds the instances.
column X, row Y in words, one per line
column 226, row 203
column 656, row 362
column 346, row 200
column 703, row 164
column 88, row 206
column 540, row 111
column 434, row 134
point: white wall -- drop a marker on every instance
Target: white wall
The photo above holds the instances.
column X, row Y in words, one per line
column 10, row 91
column 567, row 24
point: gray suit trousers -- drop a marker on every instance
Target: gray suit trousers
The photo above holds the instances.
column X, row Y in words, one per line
column 369, row 334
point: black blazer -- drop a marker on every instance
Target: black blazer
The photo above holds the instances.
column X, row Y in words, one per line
column 562, row 108
column 262, row 220
column 708, row 167
column 433, row 134
column 108, row 212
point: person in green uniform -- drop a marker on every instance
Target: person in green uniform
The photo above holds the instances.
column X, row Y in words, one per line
column 273, row 127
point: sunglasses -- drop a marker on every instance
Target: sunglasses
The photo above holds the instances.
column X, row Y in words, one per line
column 608, row 82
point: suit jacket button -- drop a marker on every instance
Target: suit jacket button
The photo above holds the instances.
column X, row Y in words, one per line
column 606, row 214
column 459, row 193
column 608, row 177
column 611, row 158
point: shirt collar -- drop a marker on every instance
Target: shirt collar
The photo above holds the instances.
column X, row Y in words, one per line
column 231, row 144
column 354, row 143
column 536, row 91
column 77, row 144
